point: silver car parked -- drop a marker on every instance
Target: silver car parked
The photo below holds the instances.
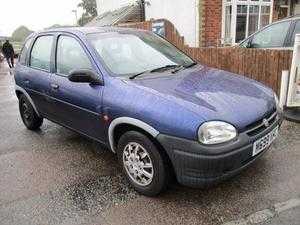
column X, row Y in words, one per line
column 278, row 35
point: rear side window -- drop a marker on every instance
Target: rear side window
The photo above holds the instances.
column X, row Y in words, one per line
column 25, row 51
column 271, row 37
column 41, row 53
column 70, row 56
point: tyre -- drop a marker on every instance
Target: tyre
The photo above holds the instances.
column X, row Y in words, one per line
column 143, row 164
column 30, row 119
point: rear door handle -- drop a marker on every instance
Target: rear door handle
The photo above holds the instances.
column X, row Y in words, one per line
column 55, row 86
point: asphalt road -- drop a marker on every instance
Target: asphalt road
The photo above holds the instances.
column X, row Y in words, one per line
column 55, row 176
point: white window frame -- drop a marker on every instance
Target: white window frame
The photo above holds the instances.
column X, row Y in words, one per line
column 234, row 4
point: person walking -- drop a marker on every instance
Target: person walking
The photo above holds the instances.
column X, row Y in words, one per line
column 1, row 56
column 9, row 53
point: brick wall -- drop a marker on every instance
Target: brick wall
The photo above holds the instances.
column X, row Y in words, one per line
column 211, row 23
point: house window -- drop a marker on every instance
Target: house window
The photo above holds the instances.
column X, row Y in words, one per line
column 242, row 18
column 241, row 22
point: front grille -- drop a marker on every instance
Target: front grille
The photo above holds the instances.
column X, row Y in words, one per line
column 260, row 125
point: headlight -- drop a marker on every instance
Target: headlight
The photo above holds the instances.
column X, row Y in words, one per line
column 216, row 132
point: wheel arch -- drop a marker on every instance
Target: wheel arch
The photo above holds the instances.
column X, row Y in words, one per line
column 121, row 125
column 128, row 123
column 21, row 91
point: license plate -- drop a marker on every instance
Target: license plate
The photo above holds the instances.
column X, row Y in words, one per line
column 264, row 142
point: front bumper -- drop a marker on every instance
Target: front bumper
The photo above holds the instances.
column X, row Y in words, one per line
column 197, row 165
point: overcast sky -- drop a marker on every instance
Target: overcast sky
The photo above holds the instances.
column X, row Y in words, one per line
column 36, row 14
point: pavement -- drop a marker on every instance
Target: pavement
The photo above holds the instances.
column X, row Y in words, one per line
column 287, row 219
column 55, row 176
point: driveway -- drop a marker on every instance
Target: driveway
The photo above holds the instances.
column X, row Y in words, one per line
column 55, row 176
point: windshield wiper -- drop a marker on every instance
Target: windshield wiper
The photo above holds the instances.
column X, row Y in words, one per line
column 154, row 70
column 184, row 67
column 191, row 65
column 138, row 74
column 164, row 68
column 178, row 69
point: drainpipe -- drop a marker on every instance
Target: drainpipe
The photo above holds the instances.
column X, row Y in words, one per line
column 201, row 31
column 197, row 23
column 143, row 10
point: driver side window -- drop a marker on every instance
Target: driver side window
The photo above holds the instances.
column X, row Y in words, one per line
column 70, row 56
column 271, row 37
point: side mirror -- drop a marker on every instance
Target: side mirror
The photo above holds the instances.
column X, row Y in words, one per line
column 84, row 76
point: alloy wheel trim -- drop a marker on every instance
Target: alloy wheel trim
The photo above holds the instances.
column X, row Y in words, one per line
column 138, row 164
column 26, row 112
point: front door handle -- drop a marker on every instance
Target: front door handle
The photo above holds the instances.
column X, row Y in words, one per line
column 55, row 86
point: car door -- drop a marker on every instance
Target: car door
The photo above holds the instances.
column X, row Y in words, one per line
column 37, row 79
column 77, row 105
column 273, row 36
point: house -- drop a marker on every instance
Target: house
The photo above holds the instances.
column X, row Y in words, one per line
column 183, row 14
column 110, row 16
column 210, row 22
column 237, row 19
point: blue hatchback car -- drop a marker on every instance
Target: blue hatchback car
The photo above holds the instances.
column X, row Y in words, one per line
column 158, row 110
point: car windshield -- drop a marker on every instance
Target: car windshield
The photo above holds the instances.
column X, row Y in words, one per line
column 128, row 53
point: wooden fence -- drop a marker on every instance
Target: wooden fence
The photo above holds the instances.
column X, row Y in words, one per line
column 262, row 65
column 265, row 66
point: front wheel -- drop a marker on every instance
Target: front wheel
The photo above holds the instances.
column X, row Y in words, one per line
column 142, row 163
column 30, row 118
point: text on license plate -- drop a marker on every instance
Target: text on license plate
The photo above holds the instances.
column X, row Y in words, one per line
column 264, row 142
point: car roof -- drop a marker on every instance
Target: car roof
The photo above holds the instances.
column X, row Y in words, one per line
column 89, row 30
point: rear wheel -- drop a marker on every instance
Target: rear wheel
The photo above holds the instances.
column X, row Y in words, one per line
column 142, row 163
column 30, row 118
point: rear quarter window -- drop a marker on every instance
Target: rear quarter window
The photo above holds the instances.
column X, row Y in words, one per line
column 23, row 55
